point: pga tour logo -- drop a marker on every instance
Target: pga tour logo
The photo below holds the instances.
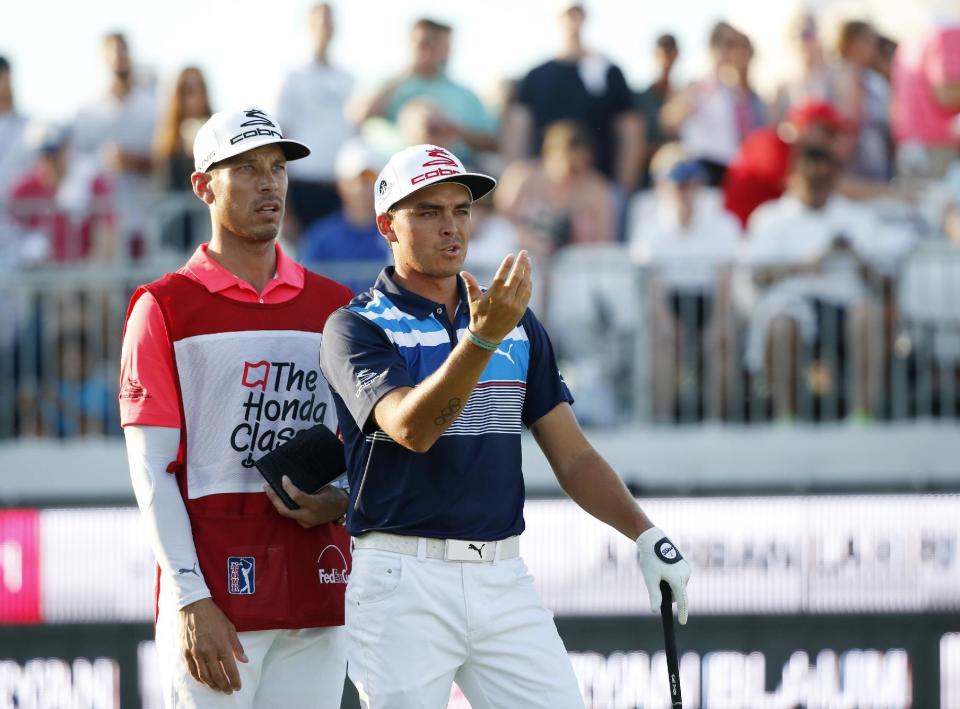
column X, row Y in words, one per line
column 666, row 552
column 332, row 565
column 241, row 575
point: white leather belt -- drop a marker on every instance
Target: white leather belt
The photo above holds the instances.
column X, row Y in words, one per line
column 446, row 549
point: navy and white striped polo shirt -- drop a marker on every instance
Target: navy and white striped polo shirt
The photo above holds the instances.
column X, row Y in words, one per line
column 469, row 485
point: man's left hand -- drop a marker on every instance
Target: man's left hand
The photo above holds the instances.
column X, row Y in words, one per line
column 328, row 504
column 660, row 561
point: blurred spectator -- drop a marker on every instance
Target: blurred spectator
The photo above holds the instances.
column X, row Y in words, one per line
column 928, row 291
column 350, row 233
column 811, row 82
column 883, row 57
column 582, row 86
column 82, row 398
column 759, row 170
column 114, row 133
column 187, row 110
column 426, row 77
column 311, row 108
column 63, row 216
column 14, row 155
column 690, row 243
column 422, row 121
column 651, row 100
column 950, row 224
column 863, row 97
column 561, row 198
column 494, row 236
column 750, row 110
column 926, row 100
column 715, row 114
column 811, row 253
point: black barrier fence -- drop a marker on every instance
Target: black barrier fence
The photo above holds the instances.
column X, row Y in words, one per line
column 809, row 601
column 778, row 662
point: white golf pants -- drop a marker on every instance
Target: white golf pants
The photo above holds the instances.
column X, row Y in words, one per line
column 416, row 624
column 287, row 668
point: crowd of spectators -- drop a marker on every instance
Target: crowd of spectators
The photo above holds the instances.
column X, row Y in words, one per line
column 773, row 228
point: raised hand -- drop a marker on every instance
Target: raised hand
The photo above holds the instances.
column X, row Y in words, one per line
column 497, row 311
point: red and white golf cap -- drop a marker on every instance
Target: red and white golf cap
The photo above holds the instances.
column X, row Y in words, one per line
column 420, row 166
column 229, row 133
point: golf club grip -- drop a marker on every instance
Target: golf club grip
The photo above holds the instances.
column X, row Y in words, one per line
column 670, row 644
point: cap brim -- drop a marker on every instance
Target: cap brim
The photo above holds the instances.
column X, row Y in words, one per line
column 477, row 185
column 292, row 150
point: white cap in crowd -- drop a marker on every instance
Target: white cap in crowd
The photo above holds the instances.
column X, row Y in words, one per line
column 420, row 166
column 229, row 133
column 356, row 157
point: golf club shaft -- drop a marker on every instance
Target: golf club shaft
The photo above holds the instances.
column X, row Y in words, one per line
column 670, row 644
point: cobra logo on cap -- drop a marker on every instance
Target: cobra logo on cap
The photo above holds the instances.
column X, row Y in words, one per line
column 382, row 188
column 667, row 552
column 256, row 117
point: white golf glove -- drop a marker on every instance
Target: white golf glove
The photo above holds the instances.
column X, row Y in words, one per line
column 660, row 560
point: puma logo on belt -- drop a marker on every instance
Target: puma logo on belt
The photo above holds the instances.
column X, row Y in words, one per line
column 189, row 571
column 479, row 549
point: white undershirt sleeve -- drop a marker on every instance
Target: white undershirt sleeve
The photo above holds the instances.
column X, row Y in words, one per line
column 149, row 450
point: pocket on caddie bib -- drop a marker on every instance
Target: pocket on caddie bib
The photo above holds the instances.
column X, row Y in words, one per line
column 246, row 574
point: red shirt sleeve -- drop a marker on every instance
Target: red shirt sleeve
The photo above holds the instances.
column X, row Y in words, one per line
column 148, row 389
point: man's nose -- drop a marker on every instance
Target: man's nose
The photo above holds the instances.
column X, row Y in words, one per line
column 448, row 225
column 270, row 182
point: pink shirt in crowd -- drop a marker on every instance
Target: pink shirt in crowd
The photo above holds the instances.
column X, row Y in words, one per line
column 916, row 69
column 148, row 390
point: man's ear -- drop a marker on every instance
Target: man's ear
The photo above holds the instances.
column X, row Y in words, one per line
column 201, row 182
column 385, row 227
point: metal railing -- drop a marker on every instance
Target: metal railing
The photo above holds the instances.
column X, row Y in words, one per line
column 634, row 348
column 631, row 348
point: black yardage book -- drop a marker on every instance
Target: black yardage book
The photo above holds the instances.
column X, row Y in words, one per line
column 311, row 459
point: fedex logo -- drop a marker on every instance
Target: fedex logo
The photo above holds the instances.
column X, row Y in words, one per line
column 241, row 575
column 256, row 374
column 332, row 566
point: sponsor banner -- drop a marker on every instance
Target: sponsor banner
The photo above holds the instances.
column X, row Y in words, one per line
column 19, row 566
column 79, row 683
column 96, row 566
column 889, row 554
column 761, row 676
column 950, row 671
column 783, row 555
column 857, row 677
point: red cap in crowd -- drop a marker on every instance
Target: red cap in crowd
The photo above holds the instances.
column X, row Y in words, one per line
column 803, row 114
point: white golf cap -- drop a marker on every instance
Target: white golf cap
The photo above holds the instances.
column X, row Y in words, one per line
column 229, row 133
column 420, row 166
column 354, row 158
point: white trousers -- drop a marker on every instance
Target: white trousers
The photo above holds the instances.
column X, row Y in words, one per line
column 287, row 668
column 415, row 625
